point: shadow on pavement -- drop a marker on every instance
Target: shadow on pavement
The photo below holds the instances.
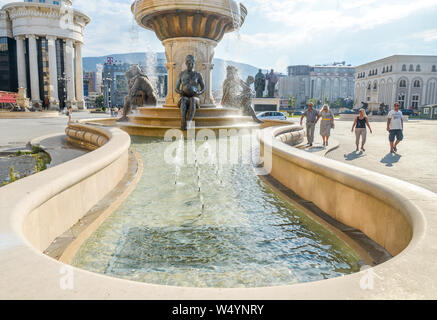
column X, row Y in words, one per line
column 354, row 155
column 390, row 159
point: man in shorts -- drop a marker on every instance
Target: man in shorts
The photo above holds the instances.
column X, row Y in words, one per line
column 395, row 127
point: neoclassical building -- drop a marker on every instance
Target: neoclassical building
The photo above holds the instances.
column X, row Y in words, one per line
column 41, row 50
column 410, row 80
column 327, row 82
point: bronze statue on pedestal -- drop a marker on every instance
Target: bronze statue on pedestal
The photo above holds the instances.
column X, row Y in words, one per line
column 187, row 86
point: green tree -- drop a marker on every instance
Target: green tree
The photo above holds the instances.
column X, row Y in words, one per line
column 315, row 101
column 100, row 102
column 292, row 102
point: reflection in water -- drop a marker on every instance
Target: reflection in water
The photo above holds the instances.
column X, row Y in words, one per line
column 232, row 231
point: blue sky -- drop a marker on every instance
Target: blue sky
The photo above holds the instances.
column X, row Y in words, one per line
column 278, row 33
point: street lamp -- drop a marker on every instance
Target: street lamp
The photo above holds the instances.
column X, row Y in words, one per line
column 108, row 80
column 65, row 80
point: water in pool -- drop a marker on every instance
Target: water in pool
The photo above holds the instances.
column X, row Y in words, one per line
column 234, row 232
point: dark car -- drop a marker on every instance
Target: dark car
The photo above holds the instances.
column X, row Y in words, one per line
column 298, row 113
column 349, row 112
column 407, row 112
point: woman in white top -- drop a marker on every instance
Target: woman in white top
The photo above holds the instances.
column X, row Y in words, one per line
column 326, row 124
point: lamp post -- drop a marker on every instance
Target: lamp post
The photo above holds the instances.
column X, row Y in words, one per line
column 65, row 80
column 108, row 80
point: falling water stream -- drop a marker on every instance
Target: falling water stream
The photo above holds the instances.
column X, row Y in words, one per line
column 203, row 225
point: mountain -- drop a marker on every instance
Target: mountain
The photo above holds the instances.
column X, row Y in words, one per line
column 218, row 73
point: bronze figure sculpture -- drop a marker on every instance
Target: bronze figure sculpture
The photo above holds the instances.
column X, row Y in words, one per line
column 187, row 86
column 141, row 92
column 246, row 99
column 238, row 94
column 260, row 84
column 231, row 88
column 272, row 80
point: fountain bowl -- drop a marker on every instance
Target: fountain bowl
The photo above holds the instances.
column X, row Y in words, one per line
column 208, row 19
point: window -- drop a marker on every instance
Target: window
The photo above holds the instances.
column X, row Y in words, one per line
column 411, row 68
column 375, row 86
column 404, row 67
column 391, row 68
column 418, row 68
column 403, row 84
column 416, row 101
column 425, row 110
column 401, row 100
column 434, row 68
column 416, row 84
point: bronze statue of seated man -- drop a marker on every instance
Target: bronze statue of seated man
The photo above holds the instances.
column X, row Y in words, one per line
column 187, row 86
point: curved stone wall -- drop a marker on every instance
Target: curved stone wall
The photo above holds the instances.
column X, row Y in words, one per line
column 396, row 214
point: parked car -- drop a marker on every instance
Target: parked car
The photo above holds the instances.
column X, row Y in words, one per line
column 408, row 112
column 271, row 115
column 298, row 113
column 349, row 112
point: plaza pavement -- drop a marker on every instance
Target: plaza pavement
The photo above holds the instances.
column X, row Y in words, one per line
column 416, row 161
column 16, row 133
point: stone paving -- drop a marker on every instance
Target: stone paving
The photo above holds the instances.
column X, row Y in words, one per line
column 415, row 162
column 15, row 134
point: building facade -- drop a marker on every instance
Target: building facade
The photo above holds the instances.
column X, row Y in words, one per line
column 43, row 43
column 410, row 80
column 324, row 83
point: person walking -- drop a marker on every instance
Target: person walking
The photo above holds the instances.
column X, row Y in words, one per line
column 69, row 113
column 395, row 127
column 326, row 124
column 312, row 117
column 359, row 125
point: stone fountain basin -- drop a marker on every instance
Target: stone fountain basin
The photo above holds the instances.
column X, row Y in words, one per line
column 210, row 19
column 402, row 219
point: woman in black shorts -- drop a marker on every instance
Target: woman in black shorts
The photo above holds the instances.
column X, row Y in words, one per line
column 360, row 124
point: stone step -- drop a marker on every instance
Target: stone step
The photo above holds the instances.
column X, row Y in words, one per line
column 160, row 131
column 200, row 121
column 175, row 112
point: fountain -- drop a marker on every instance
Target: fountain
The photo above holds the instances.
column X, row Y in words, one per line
column 188, row 27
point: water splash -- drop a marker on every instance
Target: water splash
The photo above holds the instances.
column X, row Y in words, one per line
column 134, row 29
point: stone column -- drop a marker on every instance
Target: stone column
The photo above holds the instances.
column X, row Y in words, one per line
column 69, row 73
column 34, row 73
column 53, row 72
column 80, row 101
column 176, row 50
column 21, row 62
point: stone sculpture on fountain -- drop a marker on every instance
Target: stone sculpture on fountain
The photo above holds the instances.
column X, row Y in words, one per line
column 187, row 86
column 141, row 92
column 239, row 94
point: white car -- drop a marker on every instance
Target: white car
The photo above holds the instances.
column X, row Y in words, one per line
column 271, row 115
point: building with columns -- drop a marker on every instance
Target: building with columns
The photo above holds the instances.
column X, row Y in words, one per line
column 410, row 80
column 321, row 82
column 43, row 41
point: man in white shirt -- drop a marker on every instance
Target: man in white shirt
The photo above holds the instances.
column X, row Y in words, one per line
column 395, row 127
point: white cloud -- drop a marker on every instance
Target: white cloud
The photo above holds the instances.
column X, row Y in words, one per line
column 315, row 16
column 427, row 35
